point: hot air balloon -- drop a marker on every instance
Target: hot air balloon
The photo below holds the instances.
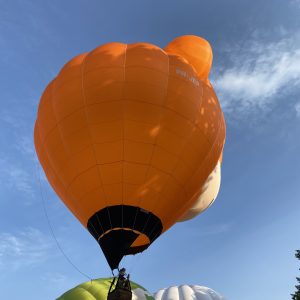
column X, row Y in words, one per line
column 128, row 136
column 98, row 289
column 187, row 292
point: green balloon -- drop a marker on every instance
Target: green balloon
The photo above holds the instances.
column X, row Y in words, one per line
column 98, row 289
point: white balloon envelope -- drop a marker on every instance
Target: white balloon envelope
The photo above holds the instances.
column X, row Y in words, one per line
column 187, row 292
column 209, row 193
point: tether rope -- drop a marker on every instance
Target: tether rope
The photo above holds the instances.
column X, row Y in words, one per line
column 43, row 196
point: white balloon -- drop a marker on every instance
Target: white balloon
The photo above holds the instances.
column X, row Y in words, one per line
column 209, row 193
column 187, row 292
column 140, row 294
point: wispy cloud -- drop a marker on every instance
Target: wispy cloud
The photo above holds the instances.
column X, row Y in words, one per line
column 27, row 248
column 259, row 74
column 27, row 29
column 295, row 3
column 25, row 146
column 216, row 229
column 297, row 108
column 11, row 119
column 18, row 132
column 17, row 158
column 16, row 178
column 211, row 230
column 55, row 279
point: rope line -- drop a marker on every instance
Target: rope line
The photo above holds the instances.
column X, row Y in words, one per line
column 43, row 196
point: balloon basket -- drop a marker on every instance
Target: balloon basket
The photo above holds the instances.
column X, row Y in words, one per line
column 120, row 294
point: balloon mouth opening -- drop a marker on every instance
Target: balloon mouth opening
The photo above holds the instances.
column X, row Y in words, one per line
column 123, row 230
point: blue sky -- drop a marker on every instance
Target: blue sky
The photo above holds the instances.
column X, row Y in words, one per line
column 243, row 245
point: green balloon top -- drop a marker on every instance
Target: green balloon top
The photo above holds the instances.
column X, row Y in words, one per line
column 98, row 289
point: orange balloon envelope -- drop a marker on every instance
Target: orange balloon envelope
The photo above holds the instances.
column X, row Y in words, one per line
column 127, row 136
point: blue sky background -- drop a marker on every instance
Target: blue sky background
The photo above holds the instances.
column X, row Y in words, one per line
column 243, row 246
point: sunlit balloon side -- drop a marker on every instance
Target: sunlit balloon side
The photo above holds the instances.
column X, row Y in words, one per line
column 208, row 194
column 128, row 136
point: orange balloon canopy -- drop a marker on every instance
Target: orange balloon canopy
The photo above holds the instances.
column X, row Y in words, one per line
column 127, row 135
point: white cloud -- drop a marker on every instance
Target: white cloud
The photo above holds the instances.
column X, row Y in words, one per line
column 216, row 229
column 55, row 279
column 27, row 248
column 210, row 230
column 13, row 120
column 16, row 178
column 297, row 108
column 22, row 134
column 259, row 75
column 25, row 146
column 295, row 3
